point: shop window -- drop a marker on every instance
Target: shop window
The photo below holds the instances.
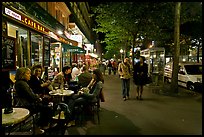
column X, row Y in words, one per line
column 22, row 45
column 36, row 48
column 46, row 52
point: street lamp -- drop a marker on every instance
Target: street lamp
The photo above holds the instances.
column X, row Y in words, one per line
column 121, row 52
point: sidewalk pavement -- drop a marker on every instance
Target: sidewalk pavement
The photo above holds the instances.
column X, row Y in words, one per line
column 157, row 114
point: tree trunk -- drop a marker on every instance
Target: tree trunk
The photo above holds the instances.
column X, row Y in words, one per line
column 198, row 50
column 174, row 83
column 133, row 47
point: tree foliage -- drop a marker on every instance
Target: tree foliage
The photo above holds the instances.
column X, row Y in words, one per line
column 129, row 23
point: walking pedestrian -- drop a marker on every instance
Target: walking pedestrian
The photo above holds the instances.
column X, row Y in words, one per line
column 140, row 76
column 124, row 72
column 114, row 65
column 109, row 67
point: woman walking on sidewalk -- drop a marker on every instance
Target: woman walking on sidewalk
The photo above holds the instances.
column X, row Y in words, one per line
column 124, row 72
column 140, row 76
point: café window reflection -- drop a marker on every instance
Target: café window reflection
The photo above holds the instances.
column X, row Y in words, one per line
column 36, row 48
column 22, row 44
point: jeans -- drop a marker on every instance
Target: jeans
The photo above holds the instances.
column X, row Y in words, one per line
column 125, row 87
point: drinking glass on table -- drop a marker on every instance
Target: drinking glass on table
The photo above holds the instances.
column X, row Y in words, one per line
column 66, row 86
column 56, row 86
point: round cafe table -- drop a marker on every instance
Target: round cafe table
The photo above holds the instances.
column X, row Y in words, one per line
column 17, row 116
column 61, row 93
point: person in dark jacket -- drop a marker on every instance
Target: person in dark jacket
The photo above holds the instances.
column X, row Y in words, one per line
column 140, row 76
column 38, row 85
column 110, row 67
column 29, row 99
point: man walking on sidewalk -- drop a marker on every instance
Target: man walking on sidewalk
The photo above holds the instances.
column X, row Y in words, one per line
column 124, row 72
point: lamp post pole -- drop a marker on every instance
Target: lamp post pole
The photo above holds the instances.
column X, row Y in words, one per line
column 121, row 52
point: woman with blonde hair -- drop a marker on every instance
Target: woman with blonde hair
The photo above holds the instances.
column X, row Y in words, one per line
column 28, row 99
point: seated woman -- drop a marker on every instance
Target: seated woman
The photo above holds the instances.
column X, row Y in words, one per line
column 38, row 85
column 29, row 99
column 84, row 98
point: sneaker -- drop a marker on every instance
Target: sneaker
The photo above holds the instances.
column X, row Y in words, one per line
column 39, row 131
column 124, row 99
column 50, row 125
column 71, row 123
column 45, row 127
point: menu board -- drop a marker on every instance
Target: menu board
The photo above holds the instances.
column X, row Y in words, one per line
column 46, row 52
column 8, row 53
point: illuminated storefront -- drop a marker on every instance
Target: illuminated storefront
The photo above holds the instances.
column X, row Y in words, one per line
column 32, row 40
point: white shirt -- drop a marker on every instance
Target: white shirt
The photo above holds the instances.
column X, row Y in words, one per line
column 75, row 73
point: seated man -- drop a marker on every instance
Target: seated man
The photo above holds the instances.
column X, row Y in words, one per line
column 61, row 78
column 85, row 77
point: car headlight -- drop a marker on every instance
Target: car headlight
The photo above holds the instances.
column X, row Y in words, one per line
column 199, row 80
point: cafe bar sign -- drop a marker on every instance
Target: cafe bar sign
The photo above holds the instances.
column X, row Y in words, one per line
column 27, row 21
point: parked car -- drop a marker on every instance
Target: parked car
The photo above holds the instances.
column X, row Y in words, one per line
column 189, row 75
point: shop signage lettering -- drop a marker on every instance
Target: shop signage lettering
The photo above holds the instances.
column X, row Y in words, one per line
column 73, row 50
column 27, row 21
column 12, row 14
column 63, row 40
column 31, row 23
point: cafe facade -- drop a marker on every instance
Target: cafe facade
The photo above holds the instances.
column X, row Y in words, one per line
column 33, row 42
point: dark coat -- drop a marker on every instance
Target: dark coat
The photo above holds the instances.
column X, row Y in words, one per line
column 32, row 101
column 84, row 79
column 25, row 94
column 140, row 73
column 35, row 85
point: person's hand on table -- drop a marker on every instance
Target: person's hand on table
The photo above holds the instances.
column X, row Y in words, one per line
column 80, row 92
column 39, row 99
column 47, row 83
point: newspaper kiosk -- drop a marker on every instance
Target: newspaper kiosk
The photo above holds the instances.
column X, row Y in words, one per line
column 155, row 58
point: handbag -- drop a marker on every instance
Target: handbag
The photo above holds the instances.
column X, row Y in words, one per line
column 149, row 80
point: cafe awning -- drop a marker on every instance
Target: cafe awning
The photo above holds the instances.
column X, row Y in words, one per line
column 73, row 49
